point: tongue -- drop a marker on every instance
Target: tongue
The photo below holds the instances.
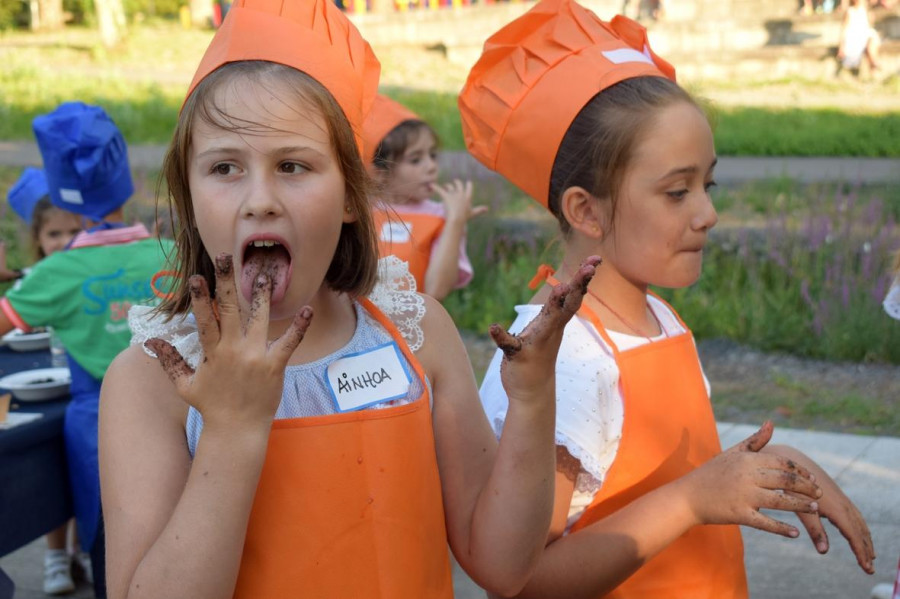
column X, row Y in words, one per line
column 274, row 262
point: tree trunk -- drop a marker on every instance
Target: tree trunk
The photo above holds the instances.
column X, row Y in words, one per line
column 50, row 14
column 201, row 13
column 111, row 19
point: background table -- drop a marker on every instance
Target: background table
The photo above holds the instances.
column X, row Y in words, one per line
column 34, row 479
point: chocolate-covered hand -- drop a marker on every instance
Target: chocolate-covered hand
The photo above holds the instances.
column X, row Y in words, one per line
column 241, row 375
column 529, row 360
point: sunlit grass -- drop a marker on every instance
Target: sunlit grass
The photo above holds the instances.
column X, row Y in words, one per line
column 142, row 84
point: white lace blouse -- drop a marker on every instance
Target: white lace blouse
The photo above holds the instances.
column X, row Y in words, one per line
column 892, row 300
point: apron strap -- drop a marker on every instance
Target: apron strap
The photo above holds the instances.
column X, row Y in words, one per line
column 391, row 328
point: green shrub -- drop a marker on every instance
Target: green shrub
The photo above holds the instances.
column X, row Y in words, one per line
column 802, row 269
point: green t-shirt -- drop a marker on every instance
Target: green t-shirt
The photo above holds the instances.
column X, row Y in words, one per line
column 85, row 293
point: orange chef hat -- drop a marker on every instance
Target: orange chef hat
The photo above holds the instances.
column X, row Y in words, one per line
column 384, row 115
column 535, row 75
column 312, row 36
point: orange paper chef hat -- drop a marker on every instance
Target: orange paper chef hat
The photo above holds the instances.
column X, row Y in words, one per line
column 312, row 36
column 535, row 75
column 384, row 115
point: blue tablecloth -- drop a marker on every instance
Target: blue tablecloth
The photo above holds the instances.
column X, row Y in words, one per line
column 34, row 479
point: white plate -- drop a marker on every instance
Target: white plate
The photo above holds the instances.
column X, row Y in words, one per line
column 38, row 385
column 21, row 341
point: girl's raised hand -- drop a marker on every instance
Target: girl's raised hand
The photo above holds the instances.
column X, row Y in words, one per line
column 732, row 487
column 241, row 376
column 529, row 361
column 457, row 199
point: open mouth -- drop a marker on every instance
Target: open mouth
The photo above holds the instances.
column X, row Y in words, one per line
column 269, row 256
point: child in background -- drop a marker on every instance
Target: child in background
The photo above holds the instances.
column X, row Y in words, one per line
column 240, row 461
column 84, row 292
column 430, row 236
column 598, row 132
column 52, row 229
column 858, row 37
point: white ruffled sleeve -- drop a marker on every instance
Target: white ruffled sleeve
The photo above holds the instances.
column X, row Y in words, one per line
column 589, row 413
column 395, row 295
column 181, row 332
column 892, row 301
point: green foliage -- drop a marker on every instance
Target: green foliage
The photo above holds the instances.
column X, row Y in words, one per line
column 13, row 14
column 806, row 132
column 739, row 131
column 802, row 269
column 438, row 109
column 808, row 280
column 505, row 251
column 145, row 112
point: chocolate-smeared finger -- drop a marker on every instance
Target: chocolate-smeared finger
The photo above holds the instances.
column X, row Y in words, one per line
column 202, row 307
column 260, row 299
column 508, row 343
column 854, row 528
column 816, row 530
column 789, row 502
column 763, row 522
column 757, row 440
column 565, row 299
column 179, row 371
column 291, row 338
column 226, row 295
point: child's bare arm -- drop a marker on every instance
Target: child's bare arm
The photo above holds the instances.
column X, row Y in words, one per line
column 443, row 266
column 498, row 500
column 176, row 527
column 730, row 488
column 836, row 507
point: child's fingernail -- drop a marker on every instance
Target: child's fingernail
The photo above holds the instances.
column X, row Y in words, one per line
column 821, row 547
column 814, row 506
column 794, row 533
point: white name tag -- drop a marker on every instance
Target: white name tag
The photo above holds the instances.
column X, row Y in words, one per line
column 624, row 55
column 374, row 376
column 71, row 196
column 395, row 232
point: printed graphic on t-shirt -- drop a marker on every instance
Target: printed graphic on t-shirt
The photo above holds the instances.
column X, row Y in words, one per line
column 113, row 294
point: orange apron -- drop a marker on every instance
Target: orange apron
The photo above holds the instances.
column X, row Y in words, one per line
column 409, row 237
column 349, row 505
column 669, row 430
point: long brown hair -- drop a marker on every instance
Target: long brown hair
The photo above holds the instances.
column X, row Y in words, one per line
column 354, row 265
column 600, row 142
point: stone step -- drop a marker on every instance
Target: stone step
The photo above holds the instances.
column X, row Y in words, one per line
column 775, row 62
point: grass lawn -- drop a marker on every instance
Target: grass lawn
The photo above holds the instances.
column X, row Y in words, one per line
column 142, row 84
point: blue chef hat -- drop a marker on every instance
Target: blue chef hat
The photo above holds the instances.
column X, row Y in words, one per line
column 85, row 159
column 25, row 193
